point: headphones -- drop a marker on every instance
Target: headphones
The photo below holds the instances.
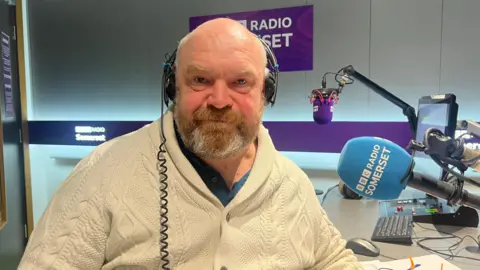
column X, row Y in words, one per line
column 347, row 193
column 271, row 78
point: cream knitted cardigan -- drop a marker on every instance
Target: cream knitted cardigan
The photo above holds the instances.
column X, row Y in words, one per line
column 106, row 214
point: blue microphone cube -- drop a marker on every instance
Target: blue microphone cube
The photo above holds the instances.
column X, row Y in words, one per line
column 374, row 167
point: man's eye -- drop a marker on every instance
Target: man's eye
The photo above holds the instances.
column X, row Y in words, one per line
column 199, row 80
column 241, row 81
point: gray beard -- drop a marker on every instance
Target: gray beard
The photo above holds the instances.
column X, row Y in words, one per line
column 196, row 144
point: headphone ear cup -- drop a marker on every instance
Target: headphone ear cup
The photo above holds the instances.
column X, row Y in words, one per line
column 352, row 195
column 347, row 193
column 170, row 87
column 269, row 87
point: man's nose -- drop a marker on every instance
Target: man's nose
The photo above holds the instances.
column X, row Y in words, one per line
column 220, row 97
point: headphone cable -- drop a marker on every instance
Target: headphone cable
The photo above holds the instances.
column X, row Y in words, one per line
column 162, row 169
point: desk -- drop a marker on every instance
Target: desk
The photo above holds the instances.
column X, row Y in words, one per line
column 358, row 219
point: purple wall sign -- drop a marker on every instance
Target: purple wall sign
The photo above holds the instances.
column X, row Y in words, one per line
column 311, row 137
column 7, row 76
column 288, row 31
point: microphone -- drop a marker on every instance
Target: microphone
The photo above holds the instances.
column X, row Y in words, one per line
column 379, row 169
column 325, row 99
column 323, row 110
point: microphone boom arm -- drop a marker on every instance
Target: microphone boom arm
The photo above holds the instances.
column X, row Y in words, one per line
column 454, row 194
column 407, row 110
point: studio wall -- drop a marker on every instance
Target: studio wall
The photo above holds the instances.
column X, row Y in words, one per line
column 102, row 60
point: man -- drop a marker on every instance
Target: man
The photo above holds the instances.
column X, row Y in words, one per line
column 233, row 201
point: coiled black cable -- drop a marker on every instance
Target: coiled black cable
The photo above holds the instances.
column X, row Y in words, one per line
column 162, row 170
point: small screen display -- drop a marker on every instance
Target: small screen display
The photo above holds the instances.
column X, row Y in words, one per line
column 430, row 116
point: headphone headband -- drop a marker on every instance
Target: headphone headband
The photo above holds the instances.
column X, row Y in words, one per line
column 271, row 80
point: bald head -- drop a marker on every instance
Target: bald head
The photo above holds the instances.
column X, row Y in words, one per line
column 222, row 33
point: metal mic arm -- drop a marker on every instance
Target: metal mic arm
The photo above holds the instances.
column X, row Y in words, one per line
column 454, row 194
column 408, row 110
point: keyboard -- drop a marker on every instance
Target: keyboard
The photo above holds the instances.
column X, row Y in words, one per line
column 394, row 229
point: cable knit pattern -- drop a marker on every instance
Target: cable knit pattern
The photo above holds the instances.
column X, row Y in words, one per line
column 106, row 215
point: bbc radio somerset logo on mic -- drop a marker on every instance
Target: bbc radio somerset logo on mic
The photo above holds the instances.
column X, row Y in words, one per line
column 90, row 134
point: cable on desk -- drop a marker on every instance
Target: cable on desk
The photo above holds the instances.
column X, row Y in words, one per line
column 388, row 257
column 326, row 193
column 451, row 249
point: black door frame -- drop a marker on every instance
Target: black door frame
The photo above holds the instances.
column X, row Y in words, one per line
column 22, row 86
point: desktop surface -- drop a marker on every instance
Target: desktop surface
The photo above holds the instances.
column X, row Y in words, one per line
column 365, row 213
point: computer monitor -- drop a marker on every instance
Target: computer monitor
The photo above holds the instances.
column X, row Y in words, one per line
column 435, row 111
